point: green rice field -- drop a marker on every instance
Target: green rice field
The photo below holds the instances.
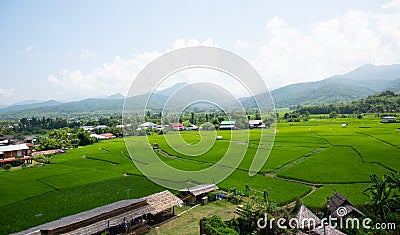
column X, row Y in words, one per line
column 310, row 159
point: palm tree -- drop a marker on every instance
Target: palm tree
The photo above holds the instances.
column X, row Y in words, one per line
column 380, row 194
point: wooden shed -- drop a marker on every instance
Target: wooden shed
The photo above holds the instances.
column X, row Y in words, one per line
column 195, row 194
column 134, row 216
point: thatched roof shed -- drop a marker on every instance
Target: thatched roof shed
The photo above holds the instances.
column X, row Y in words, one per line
column 304, row 215
column 162, row 201
column 337, row 201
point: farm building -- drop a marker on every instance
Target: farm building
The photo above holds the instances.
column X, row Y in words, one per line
column 255, row 124
column 388, row 119
column 192, row 127
column 30, row 139
column 147, row 125
column 178, row 127
column 10, row 153
column 134, row 216
column 336, row 201
column 227, row 125
column 195, row 194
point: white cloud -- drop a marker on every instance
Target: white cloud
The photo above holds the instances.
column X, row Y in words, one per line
column 240, row 45
column 6, row 92
column 181, row 43
column 286, row 55
column 329, row 47
column 394, row 4
column 85, row 53
column 109, row 78
column 30, row 48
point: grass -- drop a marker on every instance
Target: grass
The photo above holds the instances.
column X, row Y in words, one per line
column 317, row 151
column 189, row 222
column 56, row 204
column 337, row 164
column 353, row 192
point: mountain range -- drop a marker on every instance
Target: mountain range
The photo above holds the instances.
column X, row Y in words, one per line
column 357, row 84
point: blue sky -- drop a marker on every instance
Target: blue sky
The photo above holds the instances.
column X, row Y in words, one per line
column 69, row 50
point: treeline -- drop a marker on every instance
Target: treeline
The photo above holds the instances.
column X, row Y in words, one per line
column 385, row 102
column 43, row 125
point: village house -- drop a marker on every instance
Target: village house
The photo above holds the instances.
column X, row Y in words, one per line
column 388, row 119
column 11, row 153
column 178, row 127
column 133, row 216
column 255, row 124
column 192, row 127
column 147, row 125
column 309, row 223
column 227, row 125
column 30, row 139
column 337, row 201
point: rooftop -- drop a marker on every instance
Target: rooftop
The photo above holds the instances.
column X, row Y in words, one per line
column 15, row 147
column 228, row 122
column 200, row 189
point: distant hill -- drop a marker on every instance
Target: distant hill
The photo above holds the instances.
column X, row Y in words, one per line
column 357, row 84
column 24, row 102
column 385, row 102
column 21, row 107
column 117, row 96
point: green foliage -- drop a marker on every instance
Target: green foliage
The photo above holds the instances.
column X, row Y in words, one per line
column 65, row 138
column 382, row 199
column 333, row 114
column 7, row 167
column 215, row 226
column 379, row 103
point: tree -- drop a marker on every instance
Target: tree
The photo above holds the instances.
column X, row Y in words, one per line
column 84, row 137
column 380, row 195
column 192, row 119
column 258, row 115
column 333, row 114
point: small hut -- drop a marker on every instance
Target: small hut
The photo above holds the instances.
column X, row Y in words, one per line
column 196, row 194
column 338, row 201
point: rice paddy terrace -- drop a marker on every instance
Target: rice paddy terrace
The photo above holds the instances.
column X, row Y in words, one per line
column 309, row 160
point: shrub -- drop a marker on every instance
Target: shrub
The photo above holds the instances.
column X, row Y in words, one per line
column 7, row 167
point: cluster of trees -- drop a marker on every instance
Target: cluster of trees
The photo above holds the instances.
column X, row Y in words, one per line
column 385, row 102
column 65, row 138
column 35, row 125
column 38, row 125
column 296, row 116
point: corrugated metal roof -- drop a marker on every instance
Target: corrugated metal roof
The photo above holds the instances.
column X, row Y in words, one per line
column 153, row 204
column 15, row 147
column 199, row 189
column 255, row 122
column 228, row 122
